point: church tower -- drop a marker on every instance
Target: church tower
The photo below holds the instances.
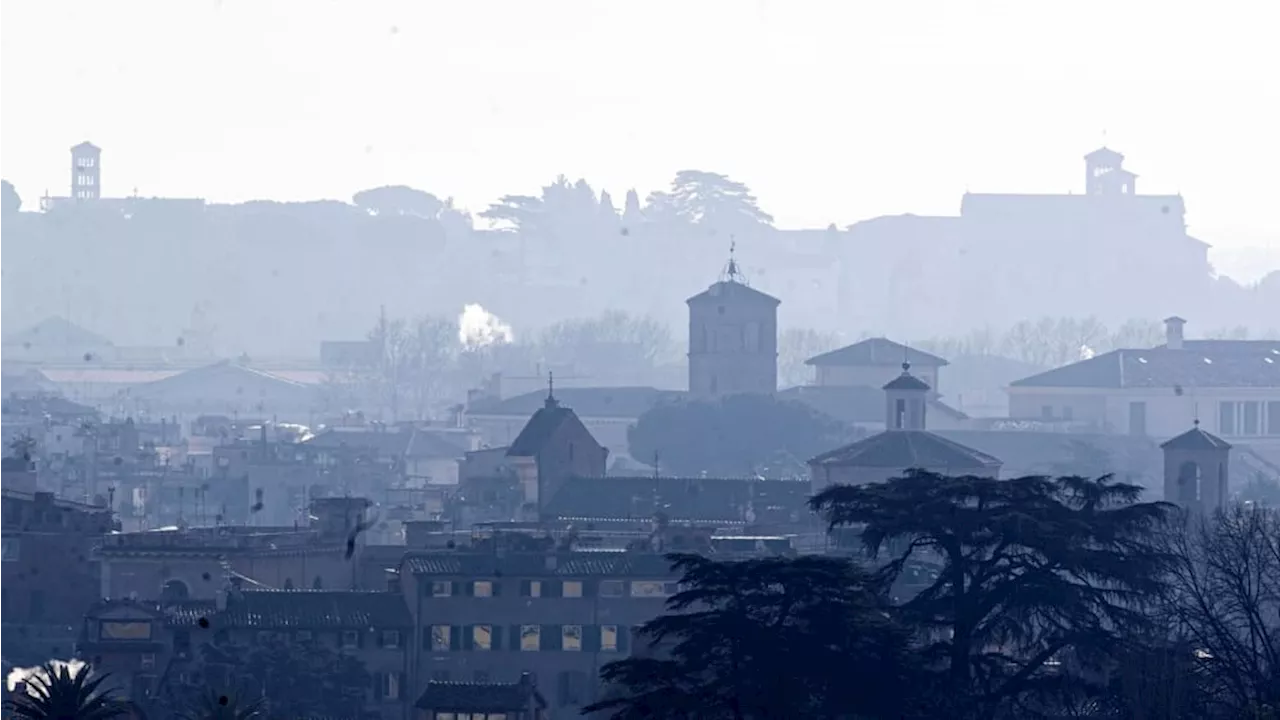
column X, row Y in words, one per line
column 733, row 337
column 86, row 171
column 906, row 397
column 1196, row 470
column 1105, row 174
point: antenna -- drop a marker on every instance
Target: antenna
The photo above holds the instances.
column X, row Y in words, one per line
column 733, row 273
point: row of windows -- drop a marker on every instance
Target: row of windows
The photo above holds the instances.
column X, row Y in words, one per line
column 526, row 638
column 469, row 716
column 347, row 639
column 1249, row 417
column 558, row 588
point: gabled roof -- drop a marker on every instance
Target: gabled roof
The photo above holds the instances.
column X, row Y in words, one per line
column 908, row 449
column 854, row 404
column 1196, row 439
column 596, row 402
column 732, row 291
column 479, row 697
column 875, row 351
column 1105, row 152
column 722, row 500
column 57, row 332
column 1199, row 363
column 300, row 609
column 907, row 381
column 86, row 145
column 425, row 444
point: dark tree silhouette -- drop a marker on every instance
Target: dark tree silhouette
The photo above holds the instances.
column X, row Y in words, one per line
column 216, row 705
column 1039, row 575
column 734, row 436
column 56, row 693
column 10, row 201
column 765, row 638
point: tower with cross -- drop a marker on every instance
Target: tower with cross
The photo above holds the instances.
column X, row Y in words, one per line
column 733, row 336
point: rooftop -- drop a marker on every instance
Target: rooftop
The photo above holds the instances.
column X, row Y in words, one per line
column 875, row 351
column 305, row 609
column 480, row 697
column 455, row 563
column 908, row 449
column 602, row 402
column 1196, row 439
column 723, row 500
column 1199, row 363
column 730, row 291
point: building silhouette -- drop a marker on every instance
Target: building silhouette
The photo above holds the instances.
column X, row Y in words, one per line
column 86, row 171
column 733, row 338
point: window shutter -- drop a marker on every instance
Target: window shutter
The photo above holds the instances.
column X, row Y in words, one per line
column 457, row 587
column 590, row 587
column 468, row 637
column 591, row 638
column 426, row 637
column 549, row 637
column 469, row 588
column 379, row 685
column 495, row 637
column 497, row 588
column 553, row 588
column 402, row 685
column 525, row 588
column 624, row 639
column 455, row 636
column 513, row 641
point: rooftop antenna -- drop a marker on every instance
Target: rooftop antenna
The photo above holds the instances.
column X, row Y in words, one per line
column 551, row 391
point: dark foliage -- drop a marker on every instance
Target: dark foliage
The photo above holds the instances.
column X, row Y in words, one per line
column 1042, row 582
column 56, row 693
column 736, row 436
column 765, row 638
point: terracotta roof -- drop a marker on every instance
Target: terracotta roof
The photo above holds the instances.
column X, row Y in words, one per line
column 268, row 609
column 1196, row 439
column 730, row 291
column 875, row 351
column 532, row 565
column 907, row 449
column 1199, row 363
column 479, row 697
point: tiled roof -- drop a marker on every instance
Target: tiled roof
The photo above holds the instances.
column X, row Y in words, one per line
column 1199, row 363
column 875, row 351
column 304, row 609
column 539, row 429
column 727, row 290
column 384, row 443
column 478, row 697
column 1196, row 439
column 686, row 499
column 532, row 565
column 907, row 449
column 601, row 402
column 424, row 444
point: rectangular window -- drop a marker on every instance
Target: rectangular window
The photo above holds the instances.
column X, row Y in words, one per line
column 609, row 638
column 653, row 588
column 612, row 588
column 10, row 549
column 350, row 639
column 391, row 686
column 482, row 588
column 482, row 637
column 1046, row 412
column 440, row 638
column 441, row 588
column 124, row 630
column 535, row 588
column 1273, row 417
column 148, row 661
column 1249, row 419
column 446, row 716
column 391, row 639
column 1066, row 412
column 572, row 589
column 1137, row 418
column 1227, row 418
column 571, row 637
column 530, row 638
column 899, row 414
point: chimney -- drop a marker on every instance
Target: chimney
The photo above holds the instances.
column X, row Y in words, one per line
column 1173, row 332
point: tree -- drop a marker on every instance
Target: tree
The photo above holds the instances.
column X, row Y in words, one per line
column 1053, row 342
column 1038, row 574
column 10, row 201
column 59, row 691
column 410, row 363
column 734, row 436
column 765, row 638
column 612, row 341
column 713, row 201
column 1137, row 333
column 795, row 346
column 632, row 216
column 398, row 200
column 1226, row 591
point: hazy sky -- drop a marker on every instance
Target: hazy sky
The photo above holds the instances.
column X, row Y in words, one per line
column 831, row 111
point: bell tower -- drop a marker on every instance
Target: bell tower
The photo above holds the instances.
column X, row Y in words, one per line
column 1196, row 470
column 733, row 337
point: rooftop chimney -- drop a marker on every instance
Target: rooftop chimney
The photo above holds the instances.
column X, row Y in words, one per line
column 1173, row 332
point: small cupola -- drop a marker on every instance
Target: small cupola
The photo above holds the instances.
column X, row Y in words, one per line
column 905, row 399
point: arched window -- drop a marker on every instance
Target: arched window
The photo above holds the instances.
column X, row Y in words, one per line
column 174, row 591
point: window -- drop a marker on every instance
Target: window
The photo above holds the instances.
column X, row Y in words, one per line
column 304, row 636
column 1137, row 418
column 1067, row 412
column 1046, row 412
column 899, row 414
column 653, row 588
column 608, row 638
column 571, row 637
column 441, row 588
column 9, row 550
column 390, row 685
column 482, row 588
column 482, row 637
column 1227, row 418
column 1273, row 417
column 1249, row 418
column 535, row 588
column 530, row 638
column 441, row 638
column 124, row 630
column 391, row 639
column 148, row 661
column 446, row 716
column 572, row 589
column 611, row 588
column 350, row 639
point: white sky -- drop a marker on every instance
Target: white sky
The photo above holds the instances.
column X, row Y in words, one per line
column 831, row 111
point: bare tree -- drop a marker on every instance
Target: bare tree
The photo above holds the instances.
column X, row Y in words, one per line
column 795, row 346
